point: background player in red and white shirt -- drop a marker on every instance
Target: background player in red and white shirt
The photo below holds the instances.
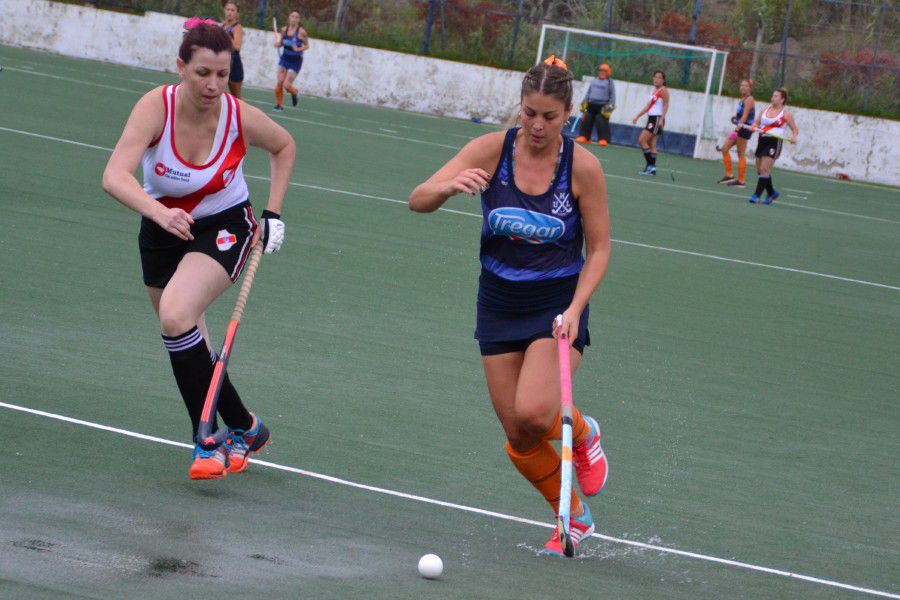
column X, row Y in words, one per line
column 198, row 226
column 656, row 109
column 771, row 124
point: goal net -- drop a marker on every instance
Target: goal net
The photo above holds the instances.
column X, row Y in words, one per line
column 697, row 71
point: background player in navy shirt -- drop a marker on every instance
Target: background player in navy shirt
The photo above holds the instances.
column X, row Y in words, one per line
column 543, row 198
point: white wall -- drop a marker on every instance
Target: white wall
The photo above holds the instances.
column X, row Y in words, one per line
column 829, row 142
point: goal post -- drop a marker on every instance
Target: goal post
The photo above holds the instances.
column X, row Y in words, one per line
column 697, row 70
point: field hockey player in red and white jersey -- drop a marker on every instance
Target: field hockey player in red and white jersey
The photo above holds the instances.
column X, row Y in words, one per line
column 771, row 123
column 197, row 225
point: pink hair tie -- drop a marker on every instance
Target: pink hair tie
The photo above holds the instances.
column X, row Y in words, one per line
column 196, row 21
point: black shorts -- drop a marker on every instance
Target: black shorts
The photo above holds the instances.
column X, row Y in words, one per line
column 224, row 236
column 653, row 124
column 768, row 147
column 492, row 348
column 512, row 314
column 237, row 68
column 744, row 133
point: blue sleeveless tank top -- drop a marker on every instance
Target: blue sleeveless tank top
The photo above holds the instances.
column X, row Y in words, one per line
column 290, row 41
column 739, row 112
column 526, row 237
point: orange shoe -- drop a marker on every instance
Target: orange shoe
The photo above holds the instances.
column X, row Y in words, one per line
column 602, row 143
column 209, row 464
column 242, row 443
column 582, row 140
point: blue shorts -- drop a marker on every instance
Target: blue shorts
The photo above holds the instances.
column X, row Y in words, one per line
column 237, row 68
column 291, row 63
column 513, row 314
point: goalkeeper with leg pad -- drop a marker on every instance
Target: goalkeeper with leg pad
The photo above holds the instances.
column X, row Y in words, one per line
column 597, row 106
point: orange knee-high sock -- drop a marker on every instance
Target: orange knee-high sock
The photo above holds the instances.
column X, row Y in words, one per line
column 291, row 90
column 726, row 158
column 540, row 466
column 279, row 95
column 580, row 428
column 742, row 168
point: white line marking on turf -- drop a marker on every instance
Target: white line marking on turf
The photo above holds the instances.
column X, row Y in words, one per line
column 624, row 242
column 744, row 198
column 798, row 191
column 455, row 506
column 795, row 196
column 60, row 77
column 468, row 214
column 353, row 129
column 417, row 141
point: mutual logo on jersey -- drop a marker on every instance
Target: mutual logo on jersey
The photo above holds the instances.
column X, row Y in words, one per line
column 520, row 224
column 225, row 240
column 170, row 173
column 562, row 206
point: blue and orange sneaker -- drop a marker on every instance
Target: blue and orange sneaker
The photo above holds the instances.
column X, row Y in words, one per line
column 241, row 443
column 590, row 461
column 580, row 527
column 209, row 464
column 754, row 199
column 770, row 198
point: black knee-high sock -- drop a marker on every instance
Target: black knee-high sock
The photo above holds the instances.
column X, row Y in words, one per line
column 653, row 159
column 762, row 183
column 648, row 157
column 230, row 407
column 193, row 370
column 770, row 189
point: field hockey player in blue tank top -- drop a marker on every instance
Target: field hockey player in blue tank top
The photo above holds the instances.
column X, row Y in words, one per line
column 543, row 199
column 293, row 41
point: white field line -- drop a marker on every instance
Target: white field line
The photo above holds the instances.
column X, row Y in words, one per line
column 451, row 147
column 23, row 64
column 460, row 507
column 806, row 192
column 277, row 116
column 892, row 189
column 647, row 180
column 469, row 214
column 623, row 242
column 795, row 196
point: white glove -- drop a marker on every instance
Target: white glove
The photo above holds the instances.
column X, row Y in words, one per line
column 272, row 231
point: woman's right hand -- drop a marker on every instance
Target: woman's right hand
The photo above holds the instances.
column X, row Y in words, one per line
column 634, row 121
column 175, row 221
column 469, row 181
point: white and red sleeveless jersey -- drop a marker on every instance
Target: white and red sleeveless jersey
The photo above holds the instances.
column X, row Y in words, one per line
column 656, row 103
column 774, row 125
column 200, row 190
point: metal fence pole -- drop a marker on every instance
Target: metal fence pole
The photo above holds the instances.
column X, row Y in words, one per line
column 784, row 37
column 515, row 35
column 261, row 14
column 429, row 22
column 607, row 25
column 692, row 39
column 874, row 57
column 443, row 23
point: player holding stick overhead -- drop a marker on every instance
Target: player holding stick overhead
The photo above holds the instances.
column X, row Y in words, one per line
column 771, row 123
column 656, row 110
column 543, row 198
column 233, row 27
column 198, row 227
column 746, row 110
column 294, row 42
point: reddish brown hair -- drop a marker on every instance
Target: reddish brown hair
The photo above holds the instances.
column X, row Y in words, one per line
column 204, row 35
column 551, row 78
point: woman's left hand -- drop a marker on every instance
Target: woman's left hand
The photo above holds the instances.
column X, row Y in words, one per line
column 571, row 320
